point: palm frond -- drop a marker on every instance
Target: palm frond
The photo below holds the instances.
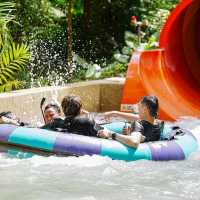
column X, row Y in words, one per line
column 12, row 62
column 6, row 9
column 11, row 85
column 6, row 16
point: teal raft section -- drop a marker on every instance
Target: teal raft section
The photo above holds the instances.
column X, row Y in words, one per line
column 117, row 151
column 116, row 127
column 33, row 138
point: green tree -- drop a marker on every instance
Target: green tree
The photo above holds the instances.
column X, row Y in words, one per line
column 69, row 33
column 5, row 19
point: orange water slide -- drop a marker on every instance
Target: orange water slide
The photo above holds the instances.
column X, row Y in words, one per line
column 172, row 73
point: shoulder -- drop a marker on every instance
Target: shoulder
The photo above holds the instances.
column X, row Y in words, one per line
column 137, row 126
column 159, row 124
column 57, row 122
column 83, row 120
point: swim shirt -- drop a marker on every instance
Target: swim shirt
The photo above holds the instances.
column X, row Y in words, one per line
column 150, row 131
column 77, row 125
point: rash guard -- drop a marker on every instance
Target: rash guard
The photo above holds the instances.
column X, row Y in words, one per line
column 77, row 125
column 150, row 131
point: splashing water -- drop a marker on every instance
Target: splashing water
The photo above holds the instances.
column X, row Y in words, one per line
column 100, row 178
column 48, row 65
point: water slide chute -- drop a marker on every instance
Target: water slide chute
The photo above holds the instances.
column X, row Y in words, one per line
column 172, row 73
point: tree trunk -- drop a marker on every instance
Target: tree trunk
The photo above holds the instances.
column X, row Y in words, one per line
column 69, row 33
column 87, row 14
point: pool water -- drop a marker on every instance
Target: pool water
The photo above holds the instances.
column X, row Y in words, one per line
column 99, row 178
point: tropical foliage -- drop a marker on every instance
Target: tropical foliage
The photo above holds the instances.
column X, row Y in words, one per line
column 13, row 57
column 12, row 62
column 5, row 18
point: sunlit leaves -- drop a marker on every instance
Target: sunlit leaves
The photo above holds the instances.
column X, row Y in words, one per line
column 6, row 16
column 12, row 62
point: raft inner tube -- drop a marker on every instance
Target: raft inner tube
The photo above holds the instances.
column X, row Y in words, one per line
column 66, row 144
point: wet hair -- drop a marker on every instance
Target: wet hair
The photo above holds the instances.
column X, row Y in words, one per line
column 151, row 102
column 54, row 106
column 71, row 106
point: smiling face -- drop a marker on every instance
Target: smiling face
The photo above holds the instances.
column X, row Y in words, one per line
column 50, row 114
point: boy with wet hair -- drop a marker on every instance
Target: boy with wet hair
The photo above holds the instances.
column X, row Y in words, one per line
column 51, row 111
column 144, row 126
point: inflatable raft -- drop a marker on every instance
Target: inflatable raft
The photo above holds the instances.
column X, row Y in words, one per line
column 38, row 140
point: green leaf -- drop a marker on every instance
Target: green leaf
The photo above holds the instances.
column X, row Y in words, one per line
column 130, row 44
column 8, row 75
column 97, row 75
column 3, row 78
column 129, row 36
column 127, row 50
column 12, row 61
column 91, row 71
column 11, row 85
column 121, row 58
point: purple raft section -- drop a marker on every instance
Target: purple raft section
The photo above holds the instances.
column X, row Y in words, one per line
column 5, row 131
column 77, row 144
column 166, row 151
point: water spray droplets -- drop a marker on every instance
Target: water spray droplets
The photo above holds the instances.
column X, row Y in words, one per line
column 48, row 65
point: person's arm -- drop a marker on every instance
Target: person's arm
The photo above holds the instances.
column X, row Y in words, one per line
column 127, row 116
column 84, row 112
column 49, row 126
column 130, row 140
column 5, row 120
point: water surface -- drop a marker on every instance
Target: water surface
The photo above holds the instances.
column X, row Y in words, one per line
column 99, row 178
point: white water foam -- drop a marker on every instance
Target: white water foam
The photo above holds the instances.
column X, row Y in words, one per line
column 100, row 178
